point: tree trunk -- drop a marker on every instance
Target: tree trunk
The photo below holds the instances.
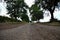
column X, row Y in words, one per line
column 52, row 16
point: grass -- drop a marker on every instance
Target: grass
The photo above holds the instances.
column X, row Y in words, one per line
column 11, row 25
column 51, row 24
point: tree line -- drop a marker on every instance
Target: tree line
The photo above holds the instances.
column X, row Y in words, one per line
column 17, row 9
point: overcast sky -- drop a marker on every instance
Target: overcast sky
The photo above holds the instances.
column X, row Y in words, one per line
column 3, row 11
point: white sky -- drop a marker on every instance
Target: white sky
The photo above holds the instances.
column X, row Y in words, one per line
column 29, row 2
column 57, row 14
column 3, row 11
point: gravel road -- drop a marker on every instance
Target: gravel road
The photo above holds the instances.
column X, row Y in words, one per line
column 31, row 32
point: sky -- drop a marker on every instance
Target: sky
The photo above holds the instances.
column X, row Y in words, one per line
column 47, row 16
column 3, row 10
column 29, row 2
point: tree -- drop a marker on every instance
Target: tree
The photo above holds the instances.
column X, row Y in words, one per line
column 49, row 5
column 37, row 16
column 16, row 8
column 24, row 17
column 36, row 12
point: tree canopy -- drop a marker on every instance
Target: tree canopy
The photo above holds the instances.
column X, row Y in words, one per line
column 48, row 5
column 36, row 12
column 16, row 8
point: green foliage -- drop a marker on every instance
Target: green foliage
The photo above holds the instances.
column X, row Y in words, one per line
column 24, row 17
column 37, row 15
column 16, row 8
column 6, row 19
column 49, row 5
column 36, row 12
column 34, row 8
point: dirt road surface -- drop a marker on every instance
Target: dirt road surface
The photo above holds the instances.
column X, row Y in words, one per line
column 31, row 32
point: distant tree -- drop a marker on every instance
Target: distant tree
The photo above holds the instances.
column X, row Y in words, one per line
column 48, row 5
column 16, row 8
column 36, row 12
column 37, row 16
column 24, row 17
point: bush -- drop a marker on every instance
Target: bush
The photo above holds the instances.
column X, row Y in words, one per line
column 6, row 19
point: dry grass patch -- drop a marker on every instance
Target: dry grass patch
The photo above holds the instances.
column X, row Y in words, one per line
column 10, row 25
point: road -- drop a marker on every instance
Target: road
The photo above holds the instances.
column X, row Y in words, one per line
column 31, row 32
